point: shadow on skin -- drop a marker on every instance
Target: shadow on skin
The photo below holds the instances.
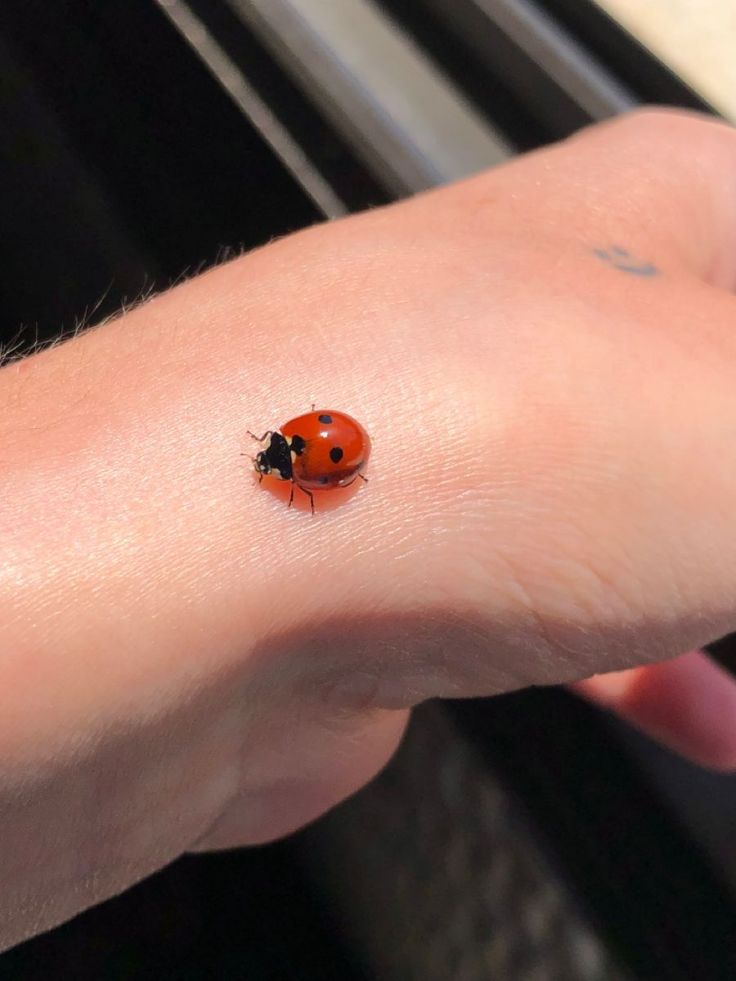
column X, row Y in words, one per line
column 324, row 500
column 356, row 663
column 284, row 727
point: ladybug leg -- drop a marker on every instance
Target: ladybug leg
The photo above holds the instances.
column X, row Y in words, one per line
column 350, row 484
column 259, row 439
column 291, row 495
column 310, row 495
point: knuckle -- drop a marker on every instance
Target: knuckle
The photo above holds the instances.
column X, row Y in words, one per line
column 661, row 124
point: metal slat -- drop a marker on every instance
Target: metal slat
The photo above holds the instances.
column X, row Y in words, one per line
column 235, row 82
column 402, row 115
column 565, row 62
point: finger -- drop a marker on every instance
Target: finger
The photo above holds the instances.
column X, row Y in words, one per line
column 688, row 704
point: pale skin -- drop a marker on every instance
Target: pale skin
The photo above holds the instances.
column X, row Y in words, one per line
column 544, row 357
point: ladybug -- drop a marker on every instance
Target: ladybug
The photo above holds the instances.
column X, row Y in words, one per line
column 320, row 450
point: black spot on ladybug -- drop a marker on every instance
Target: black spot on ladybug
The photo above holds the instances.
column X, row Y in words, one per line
column 324, row 418
column 336, row 454
column 298, row 444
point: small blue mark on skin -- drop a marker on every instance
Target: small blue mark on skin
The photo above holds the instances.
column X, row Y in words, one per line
column 624, row 261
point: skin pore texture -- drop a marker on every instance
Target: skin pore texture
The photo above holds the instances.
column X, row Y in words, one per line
column 543, row 357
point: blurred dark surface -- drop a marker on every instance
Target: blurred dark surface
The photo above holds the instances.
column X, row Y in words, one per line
column 125, row 166
column 639, row 871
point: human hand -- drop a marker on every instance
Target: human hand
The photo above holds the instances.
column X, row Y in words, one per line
column 543, row 356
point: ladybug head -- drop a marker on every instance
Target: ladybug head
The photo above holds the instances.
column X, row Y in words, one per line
column 261, row 464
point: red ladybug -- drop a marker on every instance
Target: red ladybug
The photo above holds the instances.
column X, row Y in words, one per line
column 320, row 450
